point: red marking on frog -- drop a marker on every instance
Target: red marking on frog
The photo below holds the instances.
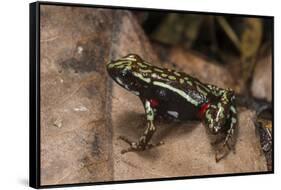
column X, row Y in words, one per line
column 154, row 103
column 202, row 110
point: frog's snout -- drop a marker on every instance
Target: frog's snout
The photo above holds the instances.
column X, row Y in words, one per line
column 110, row 68
column 115, row 68
column 109, row 64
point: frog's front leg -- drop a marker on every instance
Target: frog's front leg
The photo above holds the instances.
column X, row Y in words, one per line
column 221, row 120
column 143, row 142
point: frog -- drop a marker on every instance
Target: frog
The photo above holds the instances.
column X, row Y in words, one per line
column 169, row 94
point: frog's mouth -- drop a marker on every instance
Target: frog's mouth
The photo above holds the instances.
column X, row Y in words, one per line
column 122, row 83
column 128, row 83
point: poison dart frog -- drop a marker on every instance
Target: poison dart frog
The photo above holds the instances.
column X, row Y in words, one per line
column 175, row 95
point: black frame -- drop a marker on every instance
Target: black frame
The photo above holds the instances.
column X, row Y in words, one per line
column 34, row 95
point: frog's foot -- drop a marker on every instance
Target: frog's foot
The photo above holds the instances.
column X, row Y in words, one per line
column 220, row 154
column 226, row 144
column 225, row 148
column 136, row 146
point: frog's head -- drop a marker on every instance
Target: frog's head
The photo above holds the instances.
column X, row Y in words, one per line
column 126, row 72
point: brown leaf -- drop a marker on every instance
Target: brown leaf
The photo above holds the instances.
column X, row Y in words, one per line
column 251, row 37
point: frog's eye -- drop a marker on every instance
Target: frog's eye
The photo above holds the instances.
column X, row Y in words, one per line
column 124, row 72
column 134, row 56
column 131, row 56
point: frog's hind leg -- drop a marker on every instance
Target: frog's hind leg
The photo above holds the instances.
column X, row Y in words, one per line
column 232, row 123
column 228, row 141
column 221, row 120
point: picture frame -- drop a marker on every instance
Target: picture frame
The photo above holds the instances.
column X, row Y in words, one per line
column 63, row 68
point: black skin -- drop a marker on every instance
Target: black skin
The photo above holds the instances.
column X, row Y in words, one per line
column 175, row 95
column 185, row 110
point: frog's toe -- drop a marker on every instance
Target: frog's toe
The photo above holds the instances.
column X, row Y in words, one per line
column 125, row 139
column 221, row 153
column 130, row 149
column 136, row 147
column 225, row 148
column 133, row 147
column 152, row 145
column 231, row 146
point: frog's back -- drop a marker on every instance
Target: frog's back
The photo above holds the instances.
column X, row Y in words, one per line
column 180, row 83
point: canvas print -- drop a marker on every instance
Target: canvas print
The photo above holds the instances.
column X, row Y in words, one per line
column 144, row 94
